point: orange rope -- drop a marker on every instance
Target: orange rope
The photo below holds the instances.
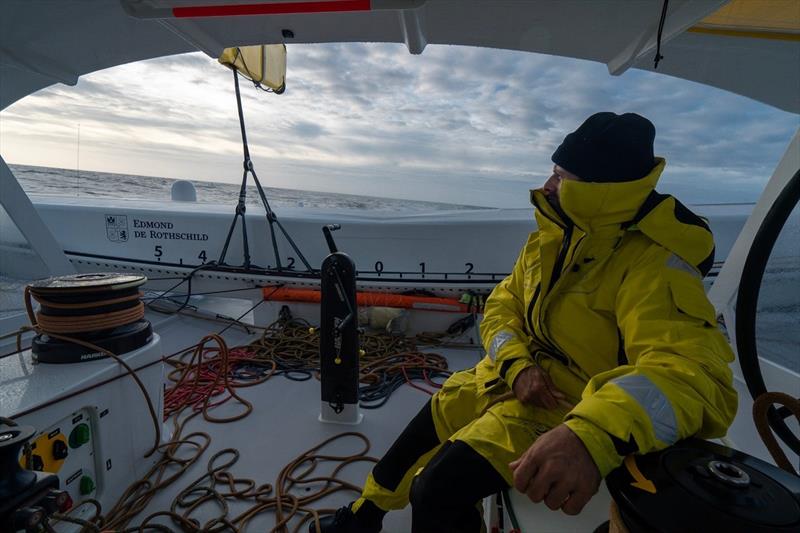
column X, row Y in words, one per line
column 89, row 323
column 760, row 409
column 82, row 323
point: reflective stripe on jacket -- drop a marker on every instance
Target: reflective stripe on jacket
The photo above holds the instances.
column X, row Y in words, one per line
column 607, row 296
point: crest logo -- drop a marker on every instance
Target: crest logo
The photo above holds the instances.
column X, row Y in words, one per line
column 117, row 228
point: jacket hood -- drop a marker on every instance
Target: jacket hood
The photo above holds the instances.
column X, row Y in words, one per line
column 604, row 208
column 594, row 205
column 675, row 227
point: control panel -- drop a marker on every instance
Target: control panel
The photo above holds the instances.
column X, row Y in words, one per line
column 67, row 449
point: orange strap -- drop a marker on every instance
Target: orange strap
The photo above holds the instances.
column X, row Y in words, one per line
column 372, row 299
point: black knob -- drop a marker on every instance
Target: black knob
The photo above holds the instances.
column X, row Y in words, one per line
column 37, row 463
column 60, row 450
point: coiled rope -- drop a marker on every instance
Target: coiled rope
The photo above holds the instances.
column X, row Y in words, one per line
column 71, row 313
column 386, row 363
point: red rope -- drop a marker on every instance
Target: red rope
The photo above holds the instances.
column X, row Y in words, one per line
column 412, row 384
column 210, row 373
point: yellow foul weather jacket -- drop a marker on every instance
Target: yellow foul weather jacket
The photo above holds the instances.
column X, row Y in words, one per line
column 607, row 297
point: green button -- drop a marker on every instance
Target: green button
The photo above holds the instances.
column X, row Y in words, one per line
column 86, row 486
column 79, row 436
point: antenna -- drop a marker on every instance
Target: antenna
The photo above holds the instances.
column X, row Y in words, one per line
column 78, row 161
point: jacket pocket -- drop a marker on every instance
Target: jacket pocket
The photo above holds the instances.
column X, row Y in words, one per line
column 692, row 301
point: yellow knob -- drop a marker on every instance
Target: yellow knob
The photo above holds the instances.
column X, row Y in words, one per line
column 338, row 360
column 312, row 330
column 362, row 353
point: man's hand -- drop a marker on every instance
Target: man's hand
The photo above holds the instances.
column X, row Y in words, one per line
column 534, row 386
column 558, row 469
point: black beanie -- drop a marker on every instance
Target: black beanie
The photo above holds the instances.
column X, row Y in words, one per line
column 609, row 147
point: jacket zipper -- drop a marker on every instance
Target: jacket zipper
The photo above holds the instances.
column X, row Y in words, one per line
column 562, row 255
column 542, row 340
column 559, row 264
column 530, row 309
column 575, row 249
column 555, row 276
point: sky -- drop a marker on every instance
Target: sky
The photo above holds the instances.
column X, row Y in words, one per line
column 454, row 124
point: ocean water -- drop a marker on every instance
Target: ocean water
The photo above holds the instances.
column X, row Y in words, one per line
column 69, row 182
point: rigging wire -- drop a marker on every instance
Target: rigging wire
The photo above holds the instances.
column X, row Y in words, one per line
column 272, row 218
column 661, row 21
column 152, row 299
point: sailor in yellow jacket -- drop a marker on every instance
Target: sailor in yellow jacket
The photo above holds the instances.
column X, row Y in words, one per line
column 602, row 332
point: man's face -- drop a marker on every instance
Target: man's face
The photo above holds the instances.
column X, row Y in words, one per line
column 552, row 187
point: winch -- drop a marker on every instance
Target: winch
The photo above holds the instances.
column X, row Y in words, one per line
column 102, row 310
column 697, row 485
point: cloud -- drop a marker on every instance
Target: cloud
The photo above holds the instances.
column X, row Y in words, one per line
column 458, row 124
column 307, row 130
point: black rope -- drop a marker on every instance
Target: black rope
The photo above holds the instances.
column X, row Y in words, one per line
column 376, row 395
column 185, row 279
column 659, row 57
column 237, row 320
column 223, row 291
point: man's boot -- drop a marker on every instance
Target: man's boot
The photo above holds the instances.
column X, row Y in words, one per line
column 368, row 519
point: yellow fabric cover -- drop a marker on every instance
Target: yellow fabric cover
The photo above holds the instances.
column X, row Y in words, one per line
column 615, row 282
column 264, row 64
column 761, row 15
